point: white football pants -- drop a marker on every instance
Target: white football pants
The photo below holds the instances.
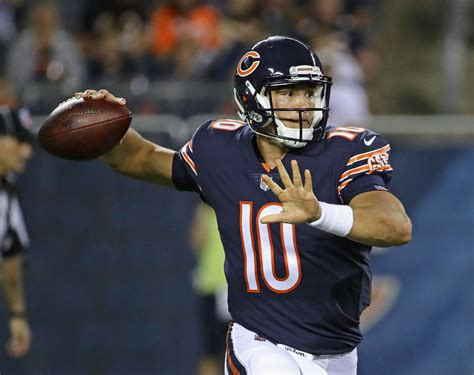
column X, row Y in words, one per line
column 248, row 353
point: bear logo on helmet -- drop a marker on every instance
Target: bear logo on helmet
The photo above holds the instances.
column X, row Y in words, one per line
column 244, row 71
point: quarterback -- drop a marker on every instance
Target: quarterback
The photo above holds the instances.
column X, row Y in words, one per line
column 299, row 206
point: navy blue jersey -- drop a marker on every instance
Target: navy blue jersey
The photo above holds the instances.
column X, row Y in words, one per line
column 291, row 284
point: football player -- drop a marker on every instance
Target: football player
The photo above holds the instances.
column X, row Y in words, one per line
column 298, row 207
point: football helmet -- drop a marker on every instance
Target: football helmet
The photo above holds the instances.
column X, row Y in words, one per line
column 275, row 62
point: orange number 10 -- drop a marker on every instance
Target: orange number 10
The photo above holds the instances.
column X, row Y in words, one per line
column 266, row 253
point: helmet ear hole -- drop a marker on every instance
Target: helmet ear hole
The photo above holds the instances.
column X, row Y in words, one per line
column 245, row 99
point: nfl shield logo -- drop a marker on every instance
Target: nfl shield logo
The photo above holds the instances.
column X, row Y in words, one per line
column 263, row 185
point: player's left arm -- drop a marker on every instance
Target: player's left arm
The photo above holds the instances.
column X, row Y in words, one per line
column 379, row 220
column 375, row 218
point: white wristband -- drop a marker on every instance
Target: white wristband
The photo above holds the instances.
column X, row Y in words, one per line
column 335, row 219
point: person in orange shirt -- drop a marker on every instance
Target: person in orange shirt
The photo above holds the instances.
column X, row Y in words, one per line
column 185, row 36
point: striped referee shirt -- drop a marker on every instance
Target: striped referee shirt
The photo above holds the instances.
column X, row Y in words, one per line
column 14, row 121
column 13, row 234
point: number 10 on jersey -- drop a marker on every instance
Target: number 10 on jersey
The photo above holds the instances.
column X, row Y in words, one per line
column 265, row 256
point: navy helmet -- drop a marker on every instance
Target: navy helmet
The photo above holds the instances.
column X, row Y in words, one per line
column 280, row 61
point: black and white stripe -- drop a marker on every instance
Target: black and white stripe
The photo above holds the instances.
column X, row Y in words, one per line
column 16, row 122
column 13, row 233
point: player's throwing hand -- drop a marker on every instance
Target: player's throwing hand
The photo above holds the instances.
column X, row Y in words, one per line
column 300, row 205
column 101, row 94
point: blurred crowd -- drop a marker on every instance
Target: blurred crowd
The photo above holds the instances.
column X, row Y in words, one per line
column 140, row 41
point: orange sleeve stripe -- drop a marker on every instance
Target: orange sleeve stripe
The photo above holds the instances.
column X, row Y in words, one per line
column 343, row 185
column 188, row 160
column 362, row 168
column 367, row 155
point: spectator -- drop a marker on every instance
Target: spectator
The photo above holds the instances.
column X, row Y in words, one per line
column 116, row 47
column 349, row 100
column 281, row 16
column 103, row 51
column 10, row 13
column 326, row 17
column 93, row 9
column 45, row 52
column 361, row 22
column 345, row 55
column 184, row 38
column 241, row 26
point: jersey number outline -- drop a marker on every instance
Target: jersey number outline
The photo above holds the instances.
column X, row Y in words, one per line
column 349, row 132
column 266, row 251
column 227, row 124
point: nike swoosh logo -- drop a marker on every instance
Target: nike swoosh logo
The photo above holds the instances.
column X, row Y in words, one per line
column 368, row 142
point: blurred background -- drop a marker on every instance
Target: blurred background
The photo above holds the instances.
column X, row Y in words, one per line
column 109, row 274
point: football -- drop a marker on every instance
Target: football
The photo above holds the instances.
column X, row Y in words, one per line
column 81, row 129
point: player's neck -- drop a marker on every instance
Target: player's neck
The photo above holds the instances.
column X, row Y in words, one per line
column 270, row 150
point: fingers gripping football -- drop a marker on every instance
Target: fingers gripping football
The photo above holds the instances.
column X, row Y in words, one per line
column 299, row 204
column 101, row 94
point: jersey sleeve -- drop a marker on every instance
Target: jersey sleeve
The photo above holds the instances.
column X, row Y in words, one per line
column 196, row 164
column 185, row 172
column 367, row 167
column 182, row 178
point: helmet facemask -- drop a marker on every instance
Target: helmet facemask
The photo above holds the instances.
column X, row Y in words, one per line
column 296, row 137
column 269, row 121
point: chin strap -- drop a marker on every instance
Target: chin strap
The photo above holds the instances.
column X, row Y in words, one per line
column 307, row 135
